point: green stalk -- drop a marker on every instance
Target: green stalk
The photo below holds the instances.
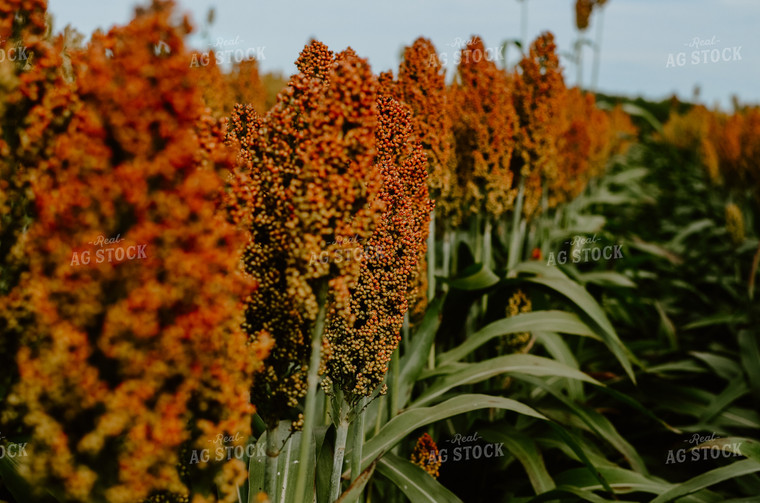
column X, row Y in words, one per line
column 454, row 254
column 486, row 260
column 446, row 254
column 753, row 273
column 597, row 49
column 524, row 25
column 431, row 257
column 395, row 388
column 272, row 458
column 340, row 452
column 514, row 245
column 381, row 400
column 476, row 239
column 311, row 394
column 357, row 442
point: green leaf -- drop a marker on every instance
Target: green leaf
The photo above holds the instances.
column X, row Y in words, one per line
column 689, row 366
column 256, row 472
column 708, row 479
column 747, row 447
column 621, row 480
column 580, row 297
column 606, row 278
column 413, row 361
column 637, row 111
column 536, row 321
column 724, row 367
column 324, row 465
column 696, row 227
column 514, row 363
column 666, row 326
column 570, row 441
column 735, row 390
column 480, row 280
column 656, row 250
column 717, row 319
column 596, row 422
column 561, row 352
column 287, row 468
column 18, row 486
column 418, row 485
column 526, row 452
column 750, row 356
column 563, row 490
column 408, row 421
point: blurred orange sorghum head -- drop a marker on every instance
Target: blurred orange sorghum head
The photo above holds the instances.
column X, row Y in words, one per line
column 123, row 362
column 484, row 124
column 538, row 98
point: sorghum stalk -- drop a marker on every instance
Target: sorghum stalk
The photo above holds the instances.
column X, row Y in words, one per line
column 431, row 257
column 311, row 394
column 341, row 435
column 395, row 377
column 272, row 458
column 486, row 259
column 357, row 442
column 447, row 241
column 753, row 273
column 597, row 50
column 514, row 246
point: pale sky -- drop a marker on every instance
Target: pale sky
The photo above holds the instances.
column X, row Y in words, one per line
column 639, row 36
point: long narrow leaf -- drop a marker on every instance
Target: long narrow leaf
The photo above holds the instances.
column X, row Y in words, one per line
column 526, row 452
column 418, row 485
column 708, row 479
column 580, row 297
column 515, row 363
column 413, row 362
column 536, row 321
column 408, row 421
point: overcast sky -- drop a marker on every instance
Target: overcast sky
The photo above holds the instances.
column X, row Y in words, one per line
column 639, row 36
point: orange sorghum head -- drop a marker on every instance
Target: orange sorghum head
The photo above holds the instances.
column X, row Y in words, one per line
column 421, row 86
column 484, row 123
column 305, row 183
column 583, row 13
column 426, row 455
column 124, row 361
column 361, row 341
column 538, row 98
